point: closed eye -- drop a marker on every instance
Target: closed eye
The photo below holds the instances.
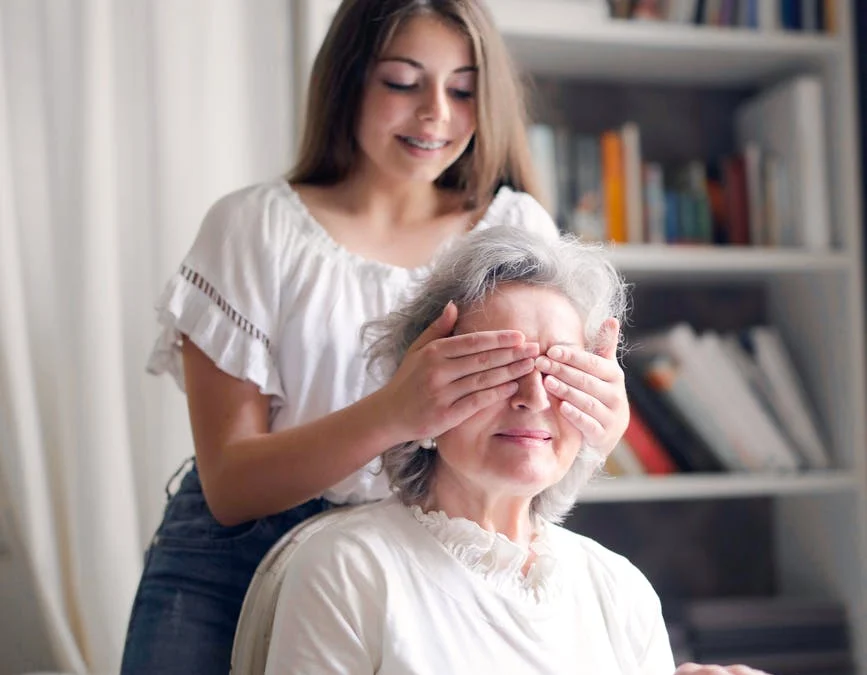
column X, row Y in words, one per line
column 397, row 86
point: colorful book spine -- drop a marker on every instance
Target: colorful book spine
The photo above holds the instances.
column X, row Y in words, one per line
column 614, row 188
column 647, row 447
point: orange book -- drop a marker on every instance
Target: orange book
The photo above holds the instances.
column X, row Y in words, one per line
column 830, row 16
column 647, row 447
column 614, row 186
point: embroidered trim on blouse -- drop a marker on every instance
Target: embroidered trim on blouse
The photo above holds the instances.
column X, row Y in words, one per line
column 234, row 315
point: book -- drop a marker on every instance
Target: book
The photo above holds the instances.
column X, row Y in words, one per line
column 670, row 382
column 633, row 193
column 756, row 430
column 681, row 11
column 779, row 219
column 671, row 216
column 787, row 394
column 768, row 15
column 752, row 155
column 648, row 449
column 788, row 120
column 654, row 203
column 829, row 16
column 755, row 439
column 737, row 213
column 626, row 460
column 588, row 220
column 688, row 450
column 613, row 186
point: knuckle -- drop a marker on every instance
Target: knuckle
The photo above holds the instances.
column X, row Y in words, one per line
column 482, row 380
column 430, row 383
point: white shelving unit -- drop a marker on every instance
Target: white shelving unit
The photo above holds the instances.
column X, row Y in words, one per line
column 820, row 522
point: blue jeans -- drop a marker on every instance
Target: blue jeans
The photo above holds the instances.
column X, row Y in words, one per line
column 196, row 573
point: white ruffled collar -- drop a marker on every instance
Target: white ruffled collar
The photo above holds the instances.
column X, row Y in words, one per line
column 496, row 558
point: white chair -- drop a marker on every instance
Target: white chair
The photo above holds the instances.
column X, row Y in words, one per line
column 253, row 634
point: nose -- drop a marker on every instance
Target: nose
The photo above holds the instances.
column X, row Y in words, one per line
column 434, row 105
column 531, row 395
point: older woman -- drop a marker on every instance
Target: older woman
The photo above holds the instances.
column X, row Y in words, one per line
column 463, row 569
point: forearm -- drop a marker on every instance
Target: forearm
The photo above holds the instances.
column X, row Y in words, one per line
column 267, row 473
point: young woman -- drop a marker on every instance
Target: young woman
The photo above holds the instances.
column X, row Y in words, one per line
column 414, row 136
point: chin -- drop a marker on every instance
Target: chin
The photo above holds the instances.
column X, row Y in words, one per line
column 531, row 481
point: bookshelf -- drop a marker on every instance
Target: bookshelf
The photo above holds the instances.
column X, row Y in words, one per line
column 728, row 485
column 661, row 260
column 814, row 298
column 555, row 39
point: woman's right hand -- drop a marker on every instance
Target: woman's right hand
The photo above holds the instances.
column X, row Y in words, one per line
column 445, row 379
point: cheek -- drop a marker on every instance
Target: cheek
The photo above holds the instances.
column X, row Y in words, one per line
column 571, row 439
column 474, row 430
column 465, row 119
column 385, row 109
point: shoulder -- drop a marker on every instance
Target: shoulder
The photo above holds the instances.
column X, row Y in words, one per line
column 358, row 539
column 260, row 214
column 519, row 209
column 613, row 575
column 625, row 595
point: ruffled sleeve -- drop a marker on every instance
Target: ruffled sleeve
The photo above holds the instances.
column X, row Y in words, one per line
column 226, row 294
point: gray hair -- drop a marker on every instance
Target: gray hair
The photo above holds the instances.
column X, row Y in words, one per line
column 466, row 274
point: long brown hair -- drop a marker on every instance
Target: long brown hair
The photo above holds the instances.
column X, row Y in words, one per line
column 361, row 30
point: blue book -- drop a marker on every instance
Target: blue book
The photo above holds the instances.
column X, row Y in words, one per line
column 672, row 216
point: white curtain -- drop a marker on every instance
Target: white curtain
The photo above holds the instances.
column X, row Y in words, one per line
column 120, row 123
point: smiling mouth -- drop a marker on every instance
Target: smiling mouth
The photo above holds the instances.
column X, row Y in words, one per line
column 422, row 144
column 525, row 435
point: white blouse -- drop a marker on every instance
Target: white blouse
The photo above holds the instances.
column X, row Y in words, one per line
column 270, row 297
column 388, row 590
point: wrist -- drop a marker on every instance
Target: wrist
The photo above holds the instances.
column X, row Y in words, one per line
column 383, row 416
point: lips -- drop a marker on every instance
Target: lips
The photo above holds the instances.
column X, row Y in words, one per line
column 424, row 143
column 529, row 434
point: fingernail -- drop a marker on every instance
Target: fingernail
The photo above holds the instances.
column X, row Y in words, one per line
column 542, row 363
column 555, row 353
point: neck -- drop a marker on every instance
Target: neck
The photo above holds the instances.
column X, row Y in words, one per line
column 507, row 514
column 378, row 198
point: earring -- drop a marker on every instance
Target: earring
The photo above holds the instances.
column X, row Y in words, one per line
column 428, row 443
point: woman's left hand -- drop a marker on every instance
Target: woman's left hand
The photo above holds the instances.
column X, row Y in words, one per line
column 698, row 669
column 591, row 388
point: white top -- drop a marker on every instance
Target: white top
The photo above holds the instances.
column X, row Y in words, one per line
column 388, row 591
column 270, row 297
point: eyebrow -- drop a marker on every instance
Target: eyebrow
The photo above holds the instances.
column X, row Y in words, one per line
column 420, row 66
